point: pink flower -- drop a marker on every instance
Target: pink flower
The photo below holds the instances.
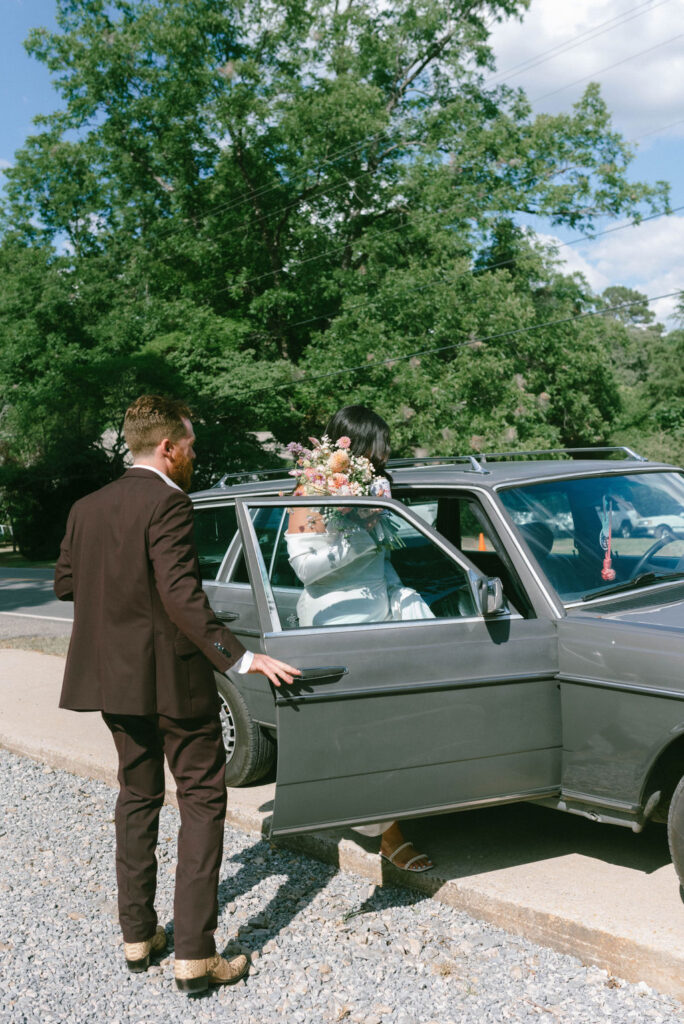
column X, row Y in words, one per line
column 338, row 480
column 344, row 442
column 339, row 461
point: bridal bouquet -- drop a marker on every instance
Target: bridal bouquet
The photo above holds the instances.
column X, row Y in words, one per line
column 330, row 468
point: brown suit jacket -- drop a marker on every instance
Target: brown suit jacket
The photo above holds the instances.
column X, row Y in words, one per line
column 144, row 635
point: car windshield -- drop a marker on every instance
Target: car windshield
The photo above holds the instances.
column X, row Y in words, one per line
column 592, row 534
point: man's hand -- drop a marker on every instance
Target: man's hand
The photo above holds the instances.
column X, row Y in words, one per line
column 277, row 671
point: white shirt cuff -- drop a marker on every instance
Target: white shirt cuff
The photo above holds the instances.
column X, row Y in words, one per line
column 244, row 664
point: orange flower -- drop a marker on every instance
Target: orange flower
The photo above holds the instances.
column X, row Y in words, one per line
column 339, row 461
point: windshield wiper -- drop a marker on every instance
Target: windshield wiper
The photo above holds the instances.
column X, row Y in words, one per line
column 642, row 580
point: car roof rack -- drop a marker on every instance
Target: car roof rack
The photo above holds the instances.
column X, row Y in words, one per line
column 471, row 462
column 475, row 463
column 248, row 475
column 573, row 452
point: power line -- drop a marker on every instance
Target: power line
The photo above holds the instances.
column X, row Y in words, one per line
column 591, row 32
column 583, row 37
column 264, row 190
column 402, row 226
column 654, row 131
column 561, row 48
column 621, row 227
column 391, row 360
column 267, row 189
column 619, row 19
column 600, row 71
column 472, row 273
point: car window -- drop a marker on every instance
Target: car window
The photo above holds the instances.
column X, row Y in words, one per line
column 593, row 532
column 363, row 568
column 462, row 520
column 268, row 523
column 215, row 527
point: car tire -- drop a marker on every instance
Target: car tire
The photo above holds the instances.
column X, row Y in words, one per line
column 675, row 831
column 250, row 752
column 626, row 529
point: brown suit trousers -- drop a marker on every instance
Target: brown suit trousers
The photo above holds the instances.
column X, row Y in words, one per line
column 197, row 759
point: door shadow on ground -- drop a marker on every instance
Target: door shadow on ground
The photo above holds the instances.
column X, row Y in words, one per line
column 491, row 839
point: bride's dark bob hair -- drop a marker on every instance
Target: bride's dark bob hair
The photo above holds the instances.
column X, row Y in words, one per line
column 368, row 433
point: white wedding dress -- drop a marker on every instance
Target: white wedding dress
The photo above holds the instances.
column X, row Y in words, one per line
column 349, row 580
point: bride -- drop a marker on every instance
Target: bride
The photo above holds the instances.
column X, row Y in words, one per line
column 348, row 579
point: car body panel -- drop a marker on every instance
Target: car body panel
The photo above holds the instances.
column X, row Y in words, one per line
column 355, row 751
column 622, row 683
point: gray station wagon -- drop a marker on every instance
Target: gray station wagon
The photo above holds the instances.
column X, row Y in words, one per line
column 552, row 668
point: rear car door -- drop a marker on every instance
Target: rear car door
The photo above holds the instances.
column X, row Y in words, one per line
column 403, row 718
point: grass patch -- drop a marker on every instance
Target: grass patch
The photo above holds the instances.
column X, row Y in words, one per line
column 13, row 560
column 58, row 645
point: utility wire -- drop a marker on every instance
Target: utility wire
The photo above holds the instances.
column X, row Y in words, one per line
column 560, row 48
column 409, row 217
column 347, row 150
column 392, row 360
column 600, row 71
column 584, row 37
column 369, row 302
column 654, row 131
column 406, row 223
column 327, row 190
column 259, row 193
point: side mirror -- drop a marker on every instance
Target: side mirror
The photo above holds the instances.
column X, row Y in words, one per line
column 489, row 596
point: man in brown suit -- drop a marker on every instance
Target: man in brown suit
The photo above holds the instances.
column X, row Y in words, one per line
column 142, row 649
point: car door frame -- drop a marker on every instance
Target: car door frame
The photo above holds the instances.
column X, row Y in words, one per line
column 271, row 630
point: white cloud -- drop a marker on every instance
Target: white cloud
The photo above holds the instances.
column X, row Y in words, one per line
column 4, row 164
column 643, row 93
column 575, row 262
column 649, row 257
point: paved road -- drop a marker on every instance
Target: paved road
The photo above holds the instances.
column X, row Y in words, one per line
column 29, row 593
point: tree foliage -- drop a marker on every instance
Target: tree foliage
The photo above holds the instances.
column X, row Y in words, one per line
column 232, row 201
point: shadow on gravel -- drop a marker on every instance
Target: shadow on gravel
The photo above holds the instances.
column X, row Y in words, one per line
column 258, row 862
column 294, row 894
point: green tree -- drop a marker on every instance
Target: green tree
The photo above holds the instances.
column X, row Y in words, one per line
column 231, row 198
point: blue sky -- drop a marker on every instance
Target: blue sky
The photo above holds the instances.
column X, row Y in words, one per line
column 634, row 48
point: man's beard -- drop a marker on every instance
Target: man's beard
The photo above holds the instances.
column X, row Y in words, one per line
column 181, row 472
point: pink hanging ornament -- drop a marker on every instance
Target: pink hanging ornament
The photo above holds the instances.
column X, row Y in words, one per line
column 608, row 572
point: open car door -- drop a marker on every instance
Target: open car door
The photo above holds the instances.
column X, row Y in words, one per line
column 397, row 719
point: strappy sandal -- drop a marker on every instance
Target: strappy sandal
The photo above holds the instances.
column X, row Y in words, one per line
column 408, row 866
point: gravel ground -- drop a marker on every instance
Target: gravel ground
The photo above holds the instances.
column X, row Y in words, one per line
column 325, row 946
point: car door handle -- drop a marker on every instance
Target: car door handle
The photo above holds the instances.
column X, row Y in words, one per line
column 321, row 674
column 227, row 616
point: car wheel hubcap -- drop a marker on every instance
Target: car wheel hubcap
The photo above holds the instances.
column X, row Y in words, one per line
column 228, row 729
